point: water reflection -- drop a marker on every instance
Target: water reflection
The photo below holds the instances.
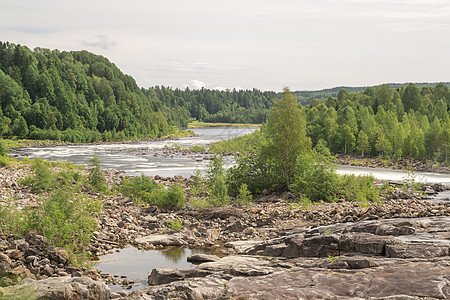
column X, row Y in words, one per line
column 174, row 255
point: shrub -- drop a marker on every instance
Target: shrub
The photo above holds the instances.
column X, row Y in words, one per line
column 315, row 178
column 217, row 187
column 42, row 178
column 359, row 188
column 4, row 161
column 66, row 220
column 175, row 225
column 138, row 188
column 3, row 148
column 95, row 177
column 196, row 186
column 171, row 198
column 244, row 196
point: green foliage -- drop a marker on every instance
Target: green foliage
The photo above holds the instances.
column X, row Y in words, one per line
column 244, row 196
column 285, row 138
column 197, row 148
column 170, row 198
column 411, row 182
column 4, row 161
column 76, row 96
column 315, row 177
column 3, row 148
column 142, row 189
column 197, row 183
column 359, row 188
column 66, row 220
column 42, row 179
column 96, row 178
column 138, row 188
column 175, row 225
column 245, row 143
column 217, row 186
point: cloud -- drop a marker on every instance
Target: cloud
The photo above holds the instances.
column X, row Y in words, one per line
column 195, row 84
column 102, row 42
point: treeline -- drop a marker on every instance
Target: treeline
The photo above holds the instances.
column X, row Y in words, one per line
column 74, row 96
column 230, row 106
column 403, row 122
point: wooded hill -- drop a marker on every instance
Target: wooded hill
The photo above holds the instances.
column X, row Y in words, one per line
column 75, row 96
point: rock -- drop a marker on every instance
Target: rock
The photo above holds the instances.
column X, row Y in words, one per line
column 275, row 250
column 166, row 275
column 47, row 271
column 235, row 227
column 294, row 248
column 201, row 258
column 416, row 250
column 15, row 254
column 5, row 264
column 321, row 246
column 22, row 245
column 59, row 255
column 243, row 246
column 160, row 240
column 35, row 239
column 60, row 288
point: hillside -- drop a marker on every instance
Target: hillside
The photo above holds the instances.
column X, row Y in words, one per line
column 74, row 96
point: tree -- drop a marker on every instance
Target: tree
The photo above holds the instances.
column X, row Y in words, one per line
column 363, row 143
column 285, row 137
column 411, row 98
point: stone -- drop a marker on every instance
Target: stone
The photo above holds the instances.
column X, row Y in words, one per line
column 243, row 246
column 47, row 271
column 274, row 250
column 160, row 240
column 35, row 239
column 59, row 255
column 235, row 227
column 294, row 248
column 160, row 276
column 201, row 258
column 5, row 264
column 416, row 250
column 321, row 246
column 364, row 243
column 15, row 254
column 60, row 288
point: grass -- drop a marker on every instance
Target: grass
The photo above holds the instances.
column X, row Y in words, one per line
column 198, row 124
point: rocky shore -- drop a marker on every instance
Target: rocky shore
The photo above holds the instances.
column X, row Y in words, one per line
column 273, row 249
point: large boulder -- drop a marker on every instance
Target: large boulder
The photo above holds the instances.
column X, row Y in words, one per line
column 160, row 240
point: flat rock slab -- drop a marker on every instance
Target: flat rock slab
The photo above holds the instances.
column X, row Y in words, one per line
column 59, row 288
column 160, row 240
column 405, row 282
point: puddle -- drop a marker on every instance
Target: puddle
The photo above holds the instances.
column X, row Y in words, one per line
column 136, row 264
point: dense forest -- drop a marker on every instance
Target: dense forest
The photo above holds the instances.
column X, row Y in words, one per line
column 392, row 122
column 230, row 106
column 75, row 96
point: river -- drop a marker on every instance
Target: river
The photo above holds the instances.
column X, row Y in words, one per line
column 152, row 158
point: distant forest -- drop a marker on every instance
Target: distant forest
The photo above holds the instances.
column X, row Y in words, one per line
column 78, row 96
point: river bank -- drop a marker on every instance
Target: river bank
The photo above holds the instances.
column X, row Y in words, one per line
column 263, row 242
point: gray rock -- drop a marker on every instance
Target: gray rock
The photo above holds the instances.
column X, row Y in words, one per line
column 294, row 248
column 416, row 250
column 235, row 227
column 275, row 250
column 59, row 255
column 201, row 258
column 61, row 288
column 5, row 264
column 160, row 240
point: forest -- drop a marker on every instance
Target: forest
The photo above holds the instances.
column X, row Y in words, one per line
column 75, row 96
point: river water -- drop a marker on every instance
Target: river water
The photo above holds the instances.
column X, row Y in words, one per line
column 151, row 158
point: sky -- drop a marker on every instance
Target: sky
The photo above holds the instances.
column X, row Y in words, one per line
column 245, row 44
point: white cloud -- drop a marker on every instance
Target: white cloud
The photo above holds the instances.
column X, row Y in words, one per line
column 195, row 84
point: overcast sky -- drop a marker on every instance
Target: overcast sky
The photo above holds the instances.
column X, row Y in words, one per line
column 301, row 44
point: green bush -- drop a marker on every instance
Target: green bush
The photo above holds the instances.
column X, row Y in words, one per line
column 4, row 161
column 96, row 178
column 175, row 225
column 217, row 186
column 3, row 148
column 66, row 220
column 244, row 197
column 138, row 188
column 315, row 178
column 359, row 188
column 42, row 179
column 170, row 198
